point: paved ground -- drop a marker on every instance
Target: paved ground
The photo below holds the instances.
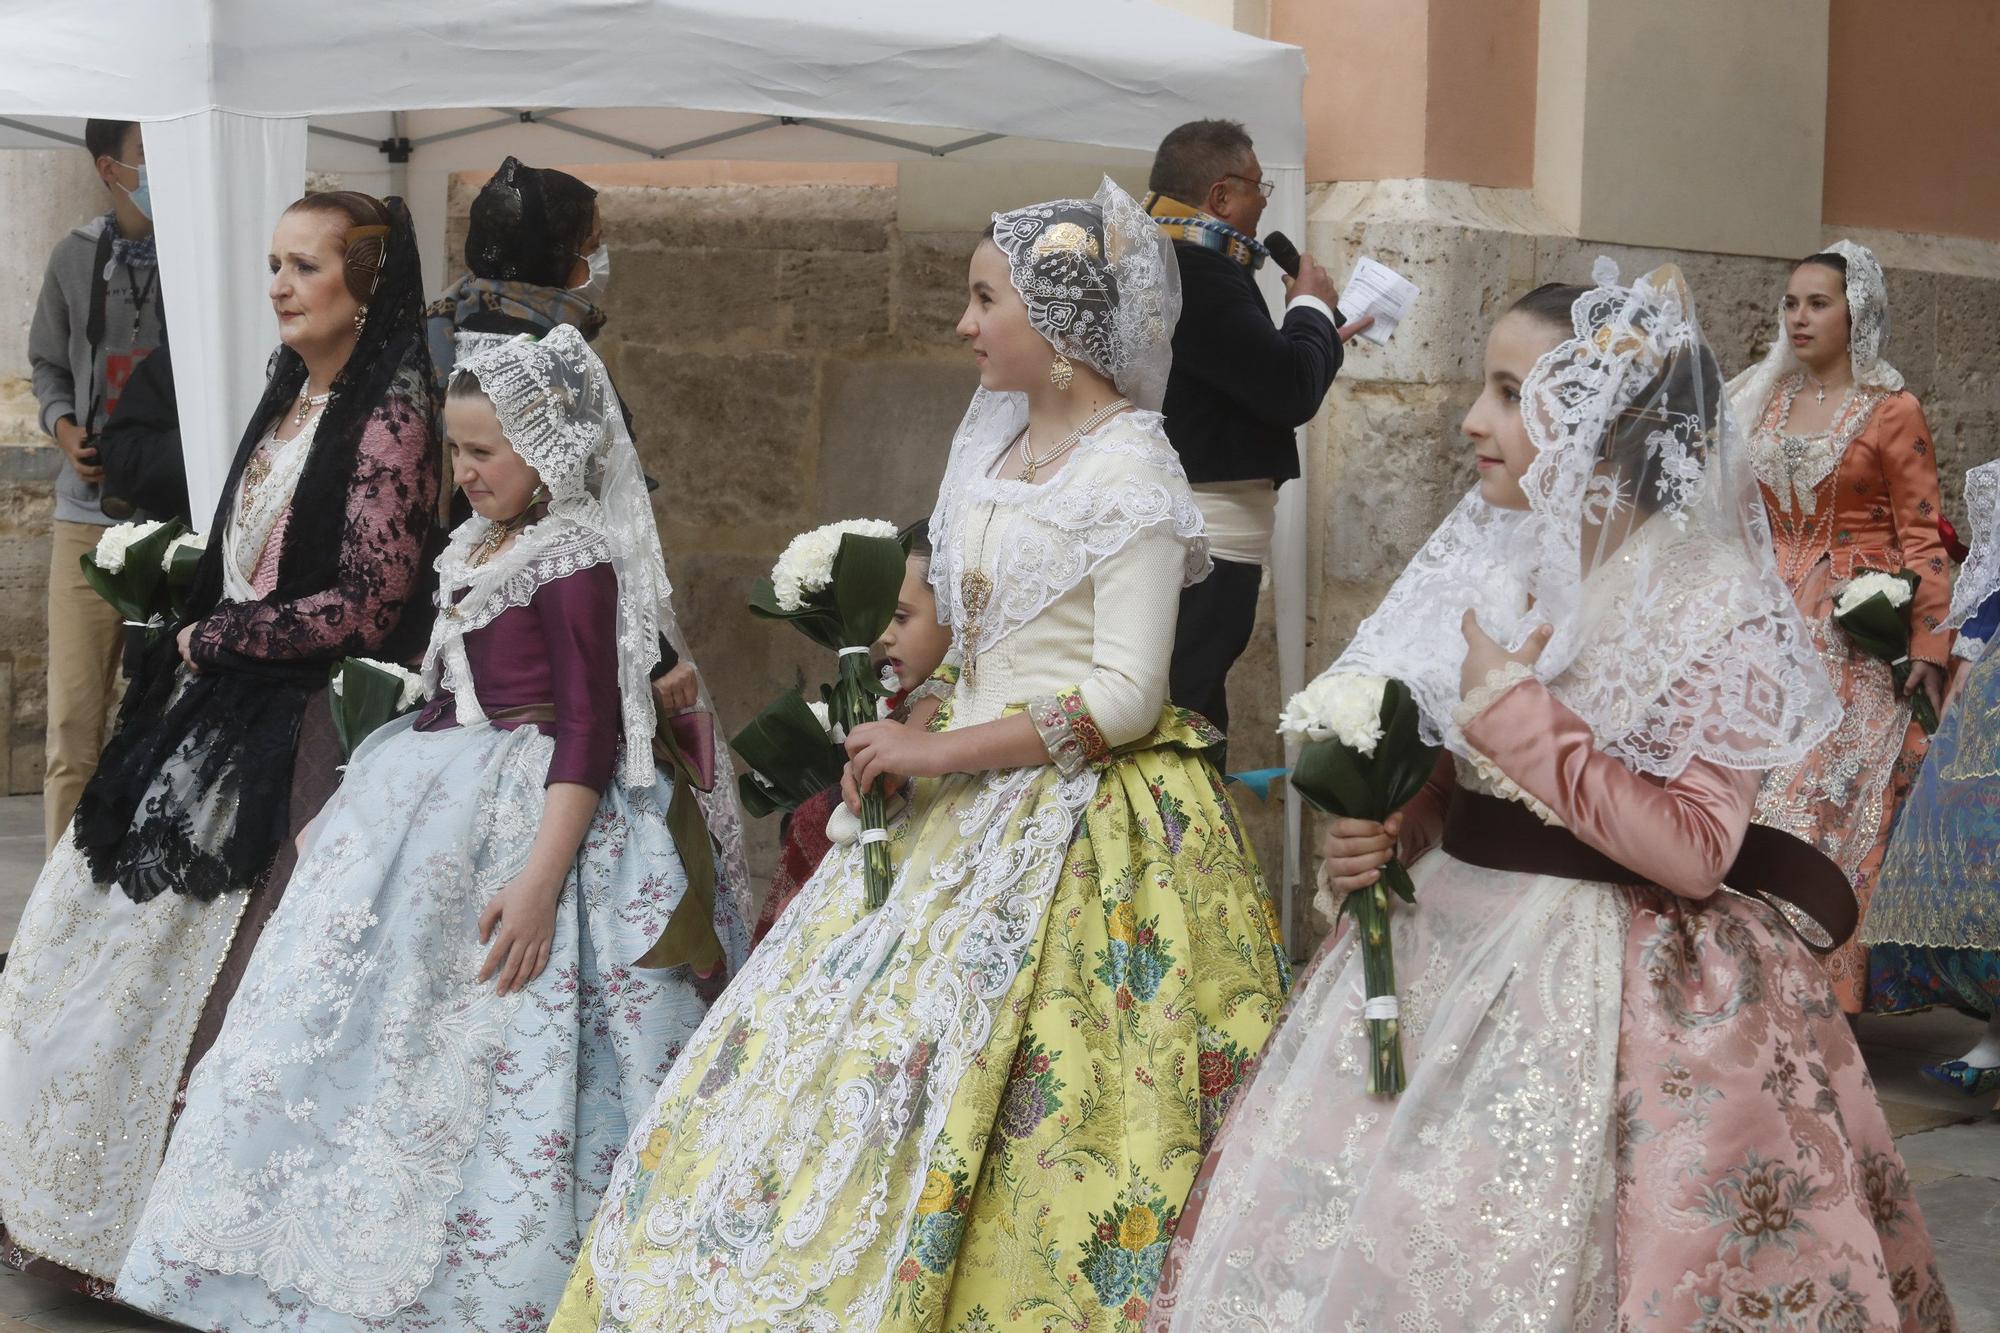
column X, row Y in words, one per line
column 1951, row 1143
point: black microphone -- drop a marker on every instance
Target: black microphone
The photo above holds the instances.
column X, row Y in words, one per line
column 1283, row 252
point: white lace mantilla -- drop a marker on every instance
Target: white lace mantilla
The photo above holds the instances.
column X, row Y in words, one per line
column 1121, row 478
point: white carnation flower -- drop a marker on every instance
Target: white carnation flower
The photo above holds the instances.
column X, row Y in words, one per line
column 1871, row 583
column 822, row 714
column 111, row 547
column 194, row 541
column 806, row 566
column 1337, row 706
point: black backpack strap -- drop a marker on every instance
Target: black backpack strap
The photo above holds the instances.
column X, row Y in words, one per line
column 93, row 328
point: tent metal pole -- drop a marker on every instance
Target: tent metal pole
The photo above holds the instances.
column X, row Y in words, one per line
column 908, row 145
column 344, row 136
column 946, row 150
column 481, row 128
column 22, row 125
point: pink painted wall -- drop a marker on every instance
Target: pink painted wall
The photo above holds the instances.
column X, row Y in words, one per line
column 1480, row 99
column 1365, row 84
column 1398, row 88
column 1913, row 116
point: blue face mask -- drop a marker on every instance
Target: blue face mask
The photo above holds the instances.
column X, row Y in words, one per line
column 142, row 198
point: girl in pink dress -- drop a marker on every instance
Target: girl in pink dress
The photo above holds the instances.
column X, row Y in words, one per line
column 1632, row 1098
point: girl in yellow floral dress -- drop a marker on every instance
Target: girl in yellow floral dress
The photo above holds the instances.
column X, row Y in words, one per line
column 981, row 1106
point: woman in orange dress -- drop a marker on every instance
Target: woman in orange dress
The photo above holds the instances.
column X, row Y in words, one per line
column 1850, row 482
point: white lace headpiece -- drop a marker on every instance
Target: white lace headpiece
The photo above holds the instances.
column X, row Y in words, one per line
column 1643, row 546
column 557, row 408
column 1101, row 284
column 1979, row 576
column 1867, row 341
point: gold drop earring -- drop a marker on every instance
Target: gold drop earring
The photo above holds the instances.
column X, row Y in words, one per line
column 1061, row 372
column 360, row 318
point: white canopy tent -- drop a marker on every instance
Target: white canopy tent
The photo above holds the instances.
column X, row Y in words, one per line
column 238, row 97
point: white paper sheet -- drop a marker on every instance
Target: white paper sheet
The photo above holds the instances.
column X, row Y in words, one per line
column 1378, row 290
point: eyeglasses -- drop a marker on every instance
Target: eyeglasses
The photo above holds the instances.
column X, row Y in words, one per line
column 1262, row 187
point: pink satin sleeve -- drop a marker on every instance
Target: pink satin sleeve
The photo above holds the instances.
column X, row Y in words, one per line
column 1682, row 833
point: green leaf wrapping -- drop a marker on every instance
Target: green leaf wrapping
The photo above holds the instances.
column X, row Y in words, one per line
column 180, row 579
column 369, row 697
column 786, row 747
column 1337, row 780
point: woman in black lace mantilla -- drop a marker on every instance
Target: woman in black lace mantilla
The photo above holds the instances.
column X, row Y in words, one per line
column 136, row 932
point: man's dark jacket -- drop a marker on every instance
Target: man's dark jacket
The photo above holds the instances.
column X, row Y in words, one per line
column 1240, row 386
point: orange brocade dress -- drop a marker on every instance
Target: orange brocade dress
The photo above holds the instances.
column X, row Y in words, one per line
column 1862, row 495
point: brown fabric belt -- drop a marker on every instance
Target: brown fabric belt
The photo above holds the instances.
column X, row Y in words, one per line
column 523, row 715
column 1773, row 865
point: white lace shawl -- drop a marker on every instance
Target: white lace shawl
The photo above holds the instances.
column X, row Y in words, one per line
column 1120, row 479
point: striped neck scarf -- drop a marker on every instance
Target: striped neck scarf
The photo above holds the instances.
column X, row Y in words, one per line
column 1195, row 227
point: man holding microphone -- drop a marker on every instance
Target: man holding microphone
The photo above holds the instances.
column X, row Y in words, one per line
column 1240, row 386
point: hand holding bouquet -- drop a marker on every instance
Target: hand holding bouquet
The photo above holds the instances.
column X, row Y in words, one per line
column 838, row 584
column 1873, row 610
column 364, row 694
column 1362, row 756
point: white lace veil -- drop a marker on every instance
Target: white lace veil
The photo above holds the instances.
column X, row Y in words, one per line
column 1101, row 284
column 1644, row 547
column 557, row 408
column 1867, row 338
column 1979, row 576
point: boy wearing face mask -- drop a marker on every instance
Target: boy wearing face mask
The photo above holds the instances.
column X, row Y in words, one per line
column 98, row 317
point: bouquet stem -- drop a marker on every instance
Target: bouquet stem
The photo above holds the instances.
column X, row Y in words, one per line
column 1378, row 970
column 853, row 704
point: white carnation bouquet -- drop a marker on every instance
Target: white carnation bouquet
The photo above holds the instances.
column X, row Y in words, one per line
column 1873, row 609
column 837, row 585
column 1362, row 755
column 129, row 569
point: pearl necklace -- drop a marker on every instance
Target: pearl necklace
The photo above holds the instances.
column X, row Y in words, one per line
column 1030, row 464
column 307, row 403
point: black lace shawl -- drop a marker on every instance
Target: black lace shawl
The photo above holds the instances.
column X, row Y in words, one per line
column 193, row 793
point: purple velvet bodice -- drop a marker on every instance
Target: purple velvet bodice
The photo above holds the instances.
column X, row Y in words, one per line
column 561, row 649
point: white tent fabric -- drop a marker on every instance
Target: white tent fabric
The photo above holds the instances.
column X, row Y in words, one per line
column 228, row 89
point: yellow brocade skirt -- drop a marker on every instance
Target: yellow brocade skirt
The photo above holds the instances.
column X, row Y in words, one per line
column 981, row 1107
